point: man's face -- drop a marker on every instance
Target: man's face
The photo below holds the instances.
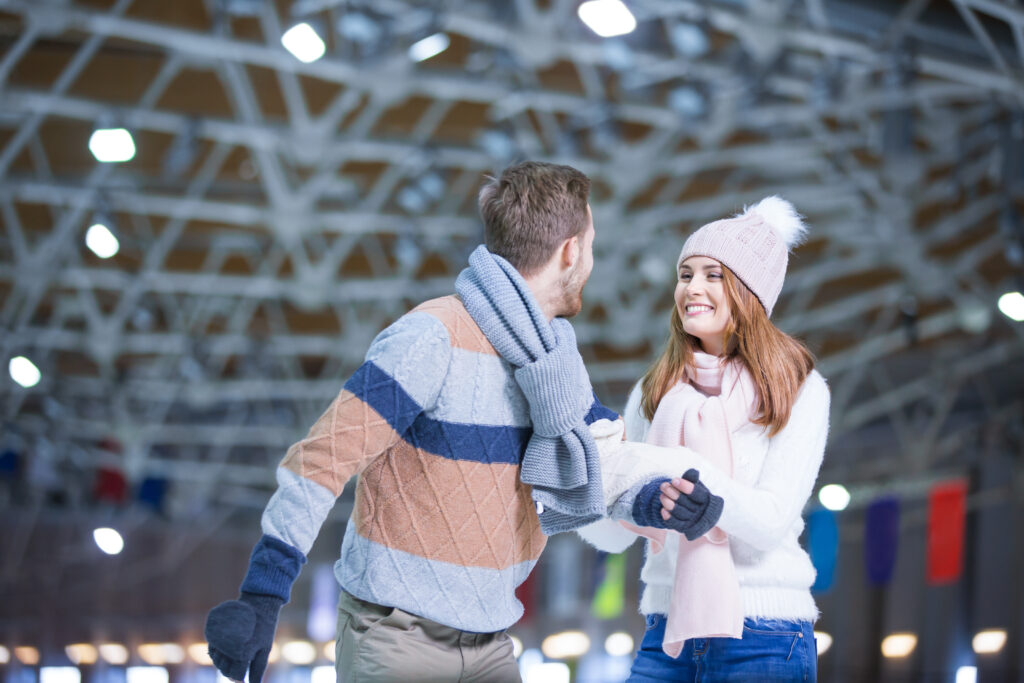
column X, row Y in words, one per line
column 575, row 279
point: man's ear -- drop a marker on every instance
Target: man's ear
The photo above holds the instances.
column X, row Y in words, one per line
column 570, row 252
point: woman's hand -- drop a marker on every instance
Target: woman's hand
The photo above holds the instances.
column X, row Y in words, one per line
column 688, row 506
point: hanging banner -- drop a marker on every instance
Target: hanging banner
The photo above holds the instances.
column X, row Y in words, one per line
column 609, row 597
column 947, row 506
column 823, row 544
column 881, row 539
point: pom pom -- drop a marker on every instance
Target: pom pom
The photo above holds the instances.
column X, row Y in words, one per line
column 782, row 218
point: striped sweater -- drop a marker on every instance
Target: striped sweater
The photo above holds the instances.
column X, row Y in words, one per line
column 435, row 426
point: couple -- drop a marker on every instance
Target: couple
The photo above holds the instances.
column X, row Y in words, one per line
column 475, row 434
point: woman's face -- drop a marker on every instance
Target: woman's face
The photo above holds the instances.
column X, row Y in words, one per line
column 702, row 303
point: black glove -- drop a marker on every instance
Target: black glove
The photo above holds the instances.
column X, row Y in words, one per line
column 693, row 515
column 240, row 634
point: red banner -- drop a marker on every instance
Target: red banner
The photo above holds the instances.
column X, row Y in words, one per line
column 947, row 505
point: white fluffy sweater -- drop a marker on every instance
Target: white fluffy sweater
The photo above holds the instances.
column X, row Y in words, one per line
column 764, row 499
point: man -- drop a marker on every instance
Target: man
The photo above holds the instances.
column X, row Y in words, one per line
column 470, row 427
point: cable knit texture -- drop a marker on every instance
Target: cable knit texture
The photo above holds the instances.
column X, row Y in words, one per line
column 561, row 461
column 273, row 567
column 435, row 426
column 763, row 500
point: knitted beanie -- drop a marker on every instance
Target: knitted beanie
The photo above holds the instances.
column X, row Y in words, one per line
column 754, row 245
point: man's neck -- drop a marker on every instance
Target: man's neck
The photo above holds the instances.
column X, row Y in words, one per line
column 542, row 286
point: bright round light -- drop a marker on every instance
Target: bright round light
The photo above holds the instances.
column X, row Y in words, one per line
column 566, row 645
column 517, row 646
column 159, row 654
column 1012, row 305
column 619, row 644
column 300, row 652
column 60, row 674
column 114, row 653
column 989, row 642
column 824, row 641
column 101, row 241
column 112, row 145
column 82, row 653
column 967, row 674
column 5, row 655
column 200, row 653
column 323, row 674
column 27, row 655
column 109, row 541
column 431, row 46
column 548, row 672
column 898, row 645
column 607, row 18
column 834, row 497
column 304, row 42
column 24, row 372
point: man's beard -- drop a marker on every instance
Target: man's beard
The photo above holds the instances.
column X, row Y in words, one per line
column 571, row 300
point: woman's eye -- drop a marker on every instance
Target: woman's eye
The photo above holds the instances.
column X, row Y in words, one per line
column 684, row 277
column 715, row 276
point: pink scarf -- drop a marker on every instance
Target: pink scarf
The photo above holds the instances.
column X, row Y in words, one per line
column 701, row 414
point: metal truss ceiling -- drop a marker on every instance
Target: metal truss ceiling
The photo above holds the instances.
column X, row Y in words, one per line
column 279, row 214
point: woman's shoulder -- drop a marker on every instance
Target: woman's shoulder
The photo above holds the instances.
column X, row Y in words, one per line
column 814, row 394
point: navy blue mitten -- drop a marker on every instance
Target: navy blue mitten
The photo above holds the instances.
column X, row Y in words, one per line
column 693, row 515
column 240, row 632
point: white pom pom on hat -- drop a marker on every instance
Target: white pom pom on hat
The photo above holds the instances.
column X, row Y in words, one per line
column 780, row 216
column 754, row 245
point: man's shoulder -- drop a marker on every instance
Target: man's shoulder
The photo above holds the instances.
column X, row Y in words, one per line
column 463, row 332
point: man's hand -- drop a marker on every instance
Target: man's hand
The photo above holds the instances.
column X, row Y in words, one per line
column 240, row 634
column 688, row 506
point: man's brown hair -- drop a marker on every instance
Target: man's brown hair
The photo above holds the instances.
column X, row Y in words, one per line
column 530, row 209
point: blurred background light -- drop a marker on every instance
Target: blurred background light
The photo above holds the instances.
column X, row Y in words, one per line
column 618, row 644
column 108, row 540
column 989, row 641
column 114, row 653
column 428, row 47
column 566, row 645
column 27, row 655
column 101, row 241
column 323, row 674
column 60, row 674
column 24, row 372
column 897, row 645
column 200, row 653
column 112, row 145
column 607, row 18
column 146, row 674
column 1011, row 305
column 834, row 497
column 298, row 652
column 82, row 653
column 824, row 641
column 549, row 672
column 304, row 43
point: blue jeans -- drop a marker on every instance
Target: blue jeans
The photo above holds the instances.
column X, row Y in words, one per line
column 770, row 651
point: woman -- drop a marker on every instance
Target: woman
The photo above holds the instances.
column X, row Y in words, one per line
column 745, row 401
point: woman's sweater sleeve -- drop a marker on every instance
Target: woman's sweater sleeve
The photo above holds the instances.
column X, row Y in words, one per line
column 762, row 514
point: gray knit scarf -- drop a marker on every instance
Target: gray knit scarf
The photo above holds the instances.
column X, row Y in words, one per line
column 561, row 461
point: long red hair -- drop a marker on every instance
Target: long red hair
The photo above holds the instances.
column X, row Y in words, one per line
column 777, row 362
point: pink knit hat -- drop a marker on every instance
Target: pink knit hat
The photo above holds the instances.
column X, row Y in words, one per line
column 754, row 245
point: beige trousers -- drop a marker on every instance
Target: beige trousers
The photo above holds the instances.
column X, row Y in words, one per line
column 377, row 643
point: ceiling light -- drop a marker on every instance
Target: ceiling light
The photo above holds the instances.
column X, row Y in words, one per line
column 566, row 645
column 27, row 655
column 431, row 46
column 967, row 674
column 548, row 672
column 24, row 372
column 108, row 540
column 323, row 674
column 1012, row 305
column 159, row 654
column 304, row 43
column 82, row 653
column 300, row 652
column 898, row 645
column 112, row 145
column 607, row 18
column 989, row 641
column 824, row 641
column 101, row 241
column 146, row 674
column 619, row 644
column 60, row 674
column 200, row 653
column 834, row 497
column 114, row 653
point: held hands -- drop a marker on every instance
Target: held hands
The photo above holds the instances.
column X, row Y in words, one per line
column 684, row 505
column 240, row 634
